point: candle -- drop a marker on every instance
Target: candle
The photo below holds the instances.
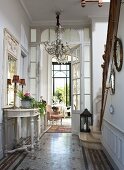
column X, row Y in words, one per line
column 84, row 126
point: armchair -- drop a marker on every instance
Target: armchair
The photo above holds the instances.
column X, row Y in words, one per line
column 53, row 115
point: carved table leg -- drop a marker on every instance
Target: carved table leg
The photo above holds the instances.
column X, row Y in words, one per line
column 32, row 134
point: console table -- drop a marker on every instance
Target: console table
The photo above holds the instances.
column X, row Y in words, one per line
column 19, row 113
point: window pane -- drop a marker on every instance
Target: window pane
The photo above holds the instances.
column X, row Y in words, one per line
column 56, row 67
column 33, row 54
column 74, row 87
column 78, row 70
column 67, row 67
column 61, row 83
column 60, row 74
column 63, row 67
column 33, row 70
column 33, row 35
column 78, row 54
column 67, row 73
column 74, row 102
column 78, row 86
column 86, row 69
column 74, row 71
column 78, row 102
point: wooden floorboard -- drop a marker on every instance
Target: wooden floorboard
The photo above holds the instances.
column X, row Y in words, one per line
column 95, row 159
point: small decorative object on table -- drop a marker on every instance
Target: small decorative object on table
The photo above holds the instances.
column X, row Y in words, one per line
column 26, row 104
column 26, row 99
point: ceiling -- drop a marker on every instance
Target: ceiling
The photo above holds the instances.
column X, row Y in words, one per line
column 42, row 12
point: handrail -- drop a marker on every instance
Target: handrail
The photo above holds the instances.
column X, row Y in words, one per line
column 114, row 13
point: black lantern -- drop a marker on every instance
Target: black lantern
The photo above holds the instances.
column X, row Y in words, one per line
column 85, row 121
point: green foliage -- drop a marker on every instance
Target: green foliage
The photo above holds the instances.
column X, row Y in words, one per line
column 41, row 105
column 60, row 93
column 24, row 96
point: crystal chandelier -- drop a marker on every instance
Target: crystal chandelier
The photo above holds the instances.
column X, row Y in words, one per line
column 57, row 48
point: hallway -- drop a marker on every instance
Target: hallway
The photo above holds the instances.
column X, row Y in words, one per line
column 57, row 151
column 60, row 151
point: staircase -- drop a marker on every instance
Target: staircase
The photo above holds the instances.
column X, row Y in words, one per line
column 92, row 139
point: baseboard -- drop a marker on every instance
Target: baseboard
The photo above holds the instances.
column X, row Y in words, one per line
column 109, row 158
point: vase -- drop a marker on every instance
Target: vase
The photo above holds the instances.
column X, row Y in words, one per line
column 26, row 104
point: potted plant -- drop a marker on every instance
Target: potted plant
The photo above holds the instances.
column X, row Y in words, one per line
column 26, row 99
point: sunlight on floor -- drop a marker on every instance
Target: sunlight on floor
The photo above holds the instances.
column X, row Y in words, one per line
column 65, row 121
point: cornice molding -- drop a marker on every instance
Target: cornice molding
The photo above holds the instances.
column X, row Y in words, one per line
column 64, row 23
column 26, row 10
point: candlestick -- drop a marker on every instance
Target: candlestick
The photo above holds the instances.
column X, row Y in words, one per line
column 22, row 83
column 15, row 81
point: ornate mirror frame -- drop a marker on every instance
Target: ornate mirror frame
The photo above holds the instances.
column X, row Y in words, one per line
column 112, row 81
column 11, row 53
column 118, row 54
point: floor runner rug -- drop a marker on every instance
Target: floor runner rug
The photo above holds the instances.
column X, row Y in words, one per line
column 95, row 159
column 12, row 160
column 59, row 129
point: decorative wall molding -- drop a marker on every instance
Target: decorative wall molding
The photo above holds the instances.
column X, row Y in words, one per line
column 12, row 44
column 113, row 141
column 11, row 50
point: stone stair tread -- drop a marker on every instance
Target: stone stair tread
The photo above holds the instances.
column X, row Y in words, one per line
column 95, row 130
column 89, row 137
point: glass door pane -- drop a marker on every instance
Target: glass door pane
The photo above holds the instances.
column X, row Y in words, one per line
column 76, row 79
column 61, row 83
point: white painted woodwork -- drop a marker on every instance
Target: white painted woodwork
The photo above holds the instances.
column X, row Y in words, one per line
column 18, row 114
column 113, row 141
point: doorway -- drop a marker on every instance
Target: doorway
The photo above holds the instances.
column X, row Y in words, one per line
column 61, row 89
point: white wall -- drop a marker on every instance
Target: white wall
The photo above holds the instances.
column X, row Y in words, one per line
column 12, row 17
column 44, row 72
column 113, row 125
column 99, row 34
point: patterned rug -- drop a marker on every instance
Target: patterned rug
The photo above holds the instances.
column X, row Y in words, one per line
column 12, row 160
column 95, row 159
column 59, row 129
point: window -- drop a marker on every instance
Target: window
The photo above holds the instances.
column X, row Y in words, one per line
column 61, row 83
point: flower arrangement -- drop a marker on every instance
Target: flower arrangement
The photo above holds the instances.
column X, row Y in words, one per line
column 24, row 96
column 41, row 105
